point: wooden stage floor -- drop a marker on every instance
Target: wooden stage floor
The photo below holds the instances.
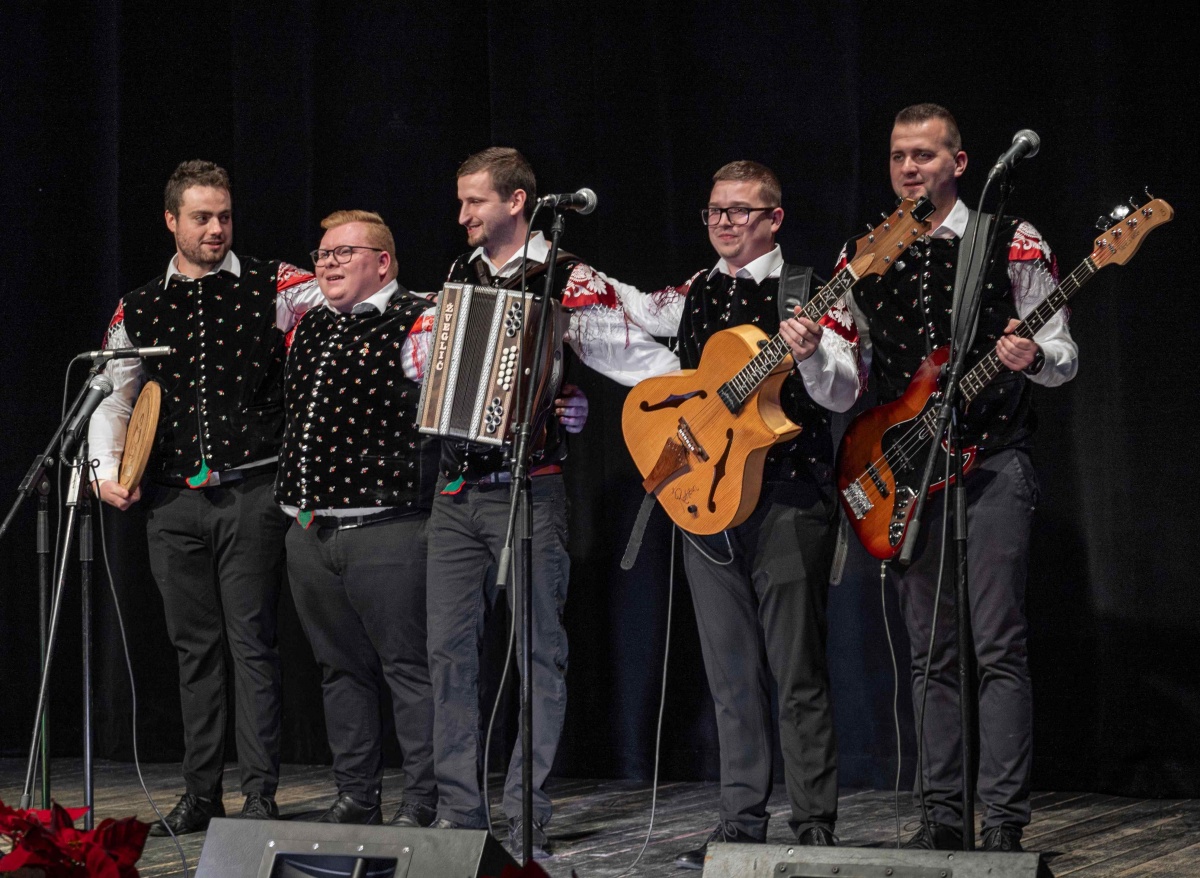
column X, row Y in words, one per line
column 599, row 826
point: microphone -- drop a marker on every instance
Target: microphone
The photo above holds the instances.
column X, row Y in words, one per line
column 99, row 387
column 1025, row 144
column 126, row 353
column 583, row 201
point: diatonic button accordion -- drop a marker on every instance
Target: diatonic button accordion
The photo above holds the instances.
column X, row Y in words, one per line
column 479, row 359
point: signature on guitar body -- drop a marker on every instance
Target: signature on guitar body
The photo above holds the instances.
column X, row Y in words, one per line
column 882, row 454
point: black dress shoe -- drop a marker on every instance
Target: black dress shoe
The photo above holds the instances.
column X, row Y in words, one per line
column 414, row 815
column 1004, row 837
column 725, row 832
column 347, row 809
column 190, row 814
column 935, row 837
column 259, row 807
column 817, row 836
column 443, row 823
column 539, row 850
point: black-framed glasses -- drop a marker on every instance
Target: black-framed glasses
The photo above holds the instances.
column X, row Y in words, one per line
column 340, row 255
column 738, row 216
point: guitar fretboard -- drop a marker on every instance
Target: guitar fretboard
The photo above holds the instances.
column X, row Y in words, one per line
column 990, row 366
column 742, row 386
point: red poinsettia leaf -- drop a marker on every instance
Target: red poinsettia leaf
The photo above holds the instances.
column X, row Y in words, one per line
column 59, row 819
column 14, row 822
column 100, row 864
column 529, row 870
column 124, row 839
column 45, row 817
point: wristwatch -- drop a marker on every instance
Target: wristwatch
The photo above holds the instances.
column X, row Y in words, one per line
column 1039, row 360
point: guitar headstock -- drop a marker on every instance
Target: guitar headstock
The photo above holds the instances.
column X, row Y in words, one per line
column 1127, row 229
column 876, row 251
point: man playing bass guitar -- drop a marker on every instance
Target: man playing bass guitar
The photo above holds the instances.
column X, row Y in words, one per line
column 904, row 316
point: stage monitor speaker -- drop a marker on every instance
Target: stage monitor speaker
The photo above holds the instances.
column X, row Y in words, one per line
column 296, row 849
column 796, row 861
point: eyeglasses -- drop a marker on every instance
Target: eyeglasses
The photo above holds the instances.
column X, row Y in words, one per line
column 340, row 255
column 738, row 216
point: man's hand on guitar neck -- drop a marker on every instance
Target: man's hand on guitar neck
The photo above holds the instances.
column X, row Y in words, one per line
column 802, row 335
column 1015, row 352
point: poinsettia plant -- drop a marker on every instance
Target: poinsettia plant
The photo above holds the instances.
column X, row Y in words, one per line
column 55, row 848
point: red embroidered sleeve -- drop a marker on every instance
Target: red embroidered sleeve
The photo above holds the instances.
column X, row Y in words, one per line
column 1028, row 245
column 586, row 287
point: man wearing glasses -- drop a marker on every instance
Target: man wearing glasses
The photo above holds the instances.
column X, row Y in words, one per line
column 760, row 589
column 357, row 479
column 215, row 533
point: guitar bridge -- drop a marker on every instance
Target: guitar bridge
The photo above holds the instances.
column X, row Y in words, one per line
column 857, row 498
column 689, row 441
column 904, row 498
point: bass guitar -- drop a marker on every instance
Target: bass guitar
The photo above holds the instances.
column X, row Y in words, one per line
column 883, row 450
column 699, row 436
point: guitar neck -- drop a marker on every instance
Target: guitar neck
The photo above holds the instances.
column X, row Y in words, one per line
column 990, row 366
column 741, row 386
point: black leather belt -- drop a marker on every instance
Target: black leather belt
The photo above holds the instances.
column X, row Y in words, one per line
column 349, row 522
column 223, row 479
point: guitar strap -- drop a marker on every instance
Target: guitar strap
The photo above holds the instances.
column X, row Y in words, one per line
column 970, row 267
column 795, row 288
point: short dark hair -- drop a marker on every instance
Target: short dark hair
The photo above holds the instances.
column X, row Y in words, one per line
column 510, row 171
column 918, row 113
column 193, row 173
column 753, row 172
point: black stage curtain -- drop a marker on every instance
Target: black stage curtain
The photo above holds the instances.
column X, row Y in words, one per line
column 319, row 106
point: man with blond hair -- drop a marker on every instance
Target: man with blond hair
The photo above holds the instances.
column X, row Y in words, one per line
column 357, row 479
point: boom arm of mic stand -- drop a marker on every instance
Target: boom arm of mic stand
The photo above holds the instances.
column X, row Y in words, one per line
column 45, row 460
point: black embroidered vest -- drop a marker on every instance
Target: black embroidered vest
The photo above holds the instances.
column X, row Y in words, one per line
column 471, row 460
column 222, row 400
column 351, row 438
column 721, row 302
column 909, row 311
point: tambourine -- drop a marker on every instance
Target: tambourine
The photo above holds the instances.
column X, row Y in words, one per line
column 139, row 438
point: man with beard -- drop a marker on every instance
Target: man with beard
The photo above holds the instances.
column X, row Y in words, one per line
column 497, row 190
column 215, row 533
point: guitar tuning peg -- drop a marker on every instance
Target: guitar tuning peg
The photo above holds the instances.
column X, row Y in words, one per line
column 870, row 228
column 882, row 215
column 1104, row 223
column 1133, row 205
column 1146, row 189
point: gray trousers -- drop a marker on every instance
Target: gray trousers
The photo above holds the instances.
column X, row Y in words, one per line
column 360, row 594
column 1002, row 492
column 762, row 621
column 467, row 533
column 217, row 556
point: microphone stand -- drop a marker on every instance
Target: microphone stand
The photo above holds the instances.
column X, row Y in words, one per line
column 965, row 320
column 520, row 523
column 78, row 513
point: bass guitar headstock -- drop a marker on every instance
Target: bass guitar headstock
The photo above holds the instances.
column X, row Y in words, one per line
column 1126, row 227
column 877, row 250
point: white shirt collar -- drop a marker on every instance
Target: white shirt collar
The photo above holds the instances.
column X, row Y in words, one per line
column 765, row 266
column 230, row 264
column 374, row 302
column 955, row 222
column 538, row 252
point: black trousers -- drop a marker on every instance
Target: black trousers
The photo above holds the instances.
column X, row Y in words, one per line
column 360, row 594
column 762, row 618
column 1002, row 493
column 467, row 533
column 217, row 556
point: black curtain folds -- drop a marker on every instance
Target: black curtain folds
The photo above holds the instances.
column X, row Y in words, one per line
column 318, row 106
